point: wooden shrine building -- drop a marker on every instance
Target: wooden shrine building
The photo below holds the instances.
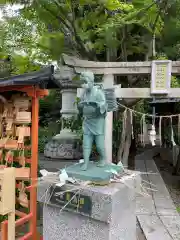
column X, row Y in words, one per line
column 20, row 95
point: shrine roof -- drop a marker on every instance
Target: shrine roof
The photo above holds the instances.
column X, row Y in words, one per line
column 43, row 78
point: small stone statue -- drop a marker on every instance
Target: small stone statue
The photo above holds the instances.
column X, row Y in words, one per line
column 93, row 107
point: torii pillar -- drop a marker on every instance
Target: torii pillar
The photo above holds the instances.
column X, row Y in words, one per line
column 108, row 82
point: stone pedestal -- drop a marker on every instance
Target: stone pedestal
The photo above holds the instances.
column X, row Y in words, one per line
column 110, row 214
column 64, row 146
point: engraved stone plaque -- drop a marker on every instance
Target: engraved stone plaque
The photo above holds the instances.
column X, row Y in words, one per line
column 73, row 201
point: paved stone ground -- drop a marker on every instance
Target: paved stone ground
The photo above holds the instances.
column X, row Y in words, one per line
column 172, row 182
column 158, row 214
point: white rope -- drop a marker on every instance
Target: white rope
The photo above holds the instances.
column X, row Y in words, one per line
column 132, row 130
column 147, row 114
column 160, row 131
column 172, row 133
column 178, row 126
column 124, row 124
column 142, row 124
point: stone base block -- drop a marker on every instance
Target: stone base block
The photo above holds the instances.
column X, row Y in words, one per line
column 57, row 149
column 112, row 215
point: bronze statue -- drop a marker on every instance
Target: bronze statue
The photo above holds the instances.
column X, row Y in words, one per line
column 93, row 106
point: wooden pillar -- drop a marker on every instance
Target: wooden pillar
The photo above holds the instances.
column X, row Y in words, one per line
column 34, row 165
column 108, row 82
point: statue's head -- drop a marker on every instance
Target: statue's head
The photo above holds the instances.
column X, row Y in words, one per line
column 88, row 79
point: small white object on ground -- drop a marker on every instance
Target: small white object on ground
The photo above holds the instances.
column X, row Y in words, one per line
column 71, row 180
column 121, row 165
column 60, row 184
column 81, row 161
column 44, row 172
column 63, row 177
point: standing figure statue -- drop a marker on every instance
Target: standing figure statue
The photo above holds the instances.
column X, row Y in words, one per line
column 93, row 107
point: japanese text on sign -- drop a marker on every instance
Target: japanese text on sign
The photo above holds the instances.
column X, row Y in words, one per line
column 160, row 76
column 80, row 203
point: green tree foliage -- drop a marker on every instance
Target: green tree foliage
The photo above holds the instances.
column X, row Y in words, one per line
column 85, row 28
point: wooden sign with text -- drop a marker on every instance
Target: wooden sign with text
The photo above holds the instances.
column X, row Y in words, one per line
column 161, row 77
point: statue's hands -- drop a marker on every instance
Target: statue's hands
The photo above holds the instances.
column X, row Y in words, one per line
column 93, row 104
column 80, row 105
column 88, row 110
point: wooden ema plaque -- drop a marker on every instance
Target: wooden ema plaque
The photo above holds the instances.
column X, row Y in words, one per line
column 161, row 77
column 7, row 198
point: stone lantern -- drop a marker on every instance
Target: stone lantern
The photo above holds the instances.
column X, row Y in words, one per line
column 66, row 145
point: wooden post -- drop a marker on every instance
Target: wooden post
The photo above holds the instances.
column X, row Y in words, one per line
column 11, row 215
column 108, row 82
column 34, row 166
column 11, row 224
column 7, row 202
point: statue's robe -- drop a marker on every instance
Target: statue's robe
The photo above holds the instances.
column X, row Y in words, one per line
column 93, row 106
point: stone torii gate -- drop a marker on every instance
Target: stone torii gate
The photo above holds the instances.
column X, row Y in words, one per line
column 160, row 86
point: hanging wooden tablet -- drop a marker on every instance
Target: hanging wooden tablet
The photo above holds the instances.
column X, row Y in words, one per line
column 27, row 131
column 23, row 117
column 23, row 173
column 8, row 111
column 9, row 127
column 21, row 138
column 9, row 124
column 9, row 157
column 3, row 142
column 11, row 144
column 22, row 199
column 22, row 103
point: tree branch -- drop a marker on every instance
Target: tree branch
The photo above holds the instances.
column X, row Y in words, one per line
column 57, row 17
column 72, row 31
